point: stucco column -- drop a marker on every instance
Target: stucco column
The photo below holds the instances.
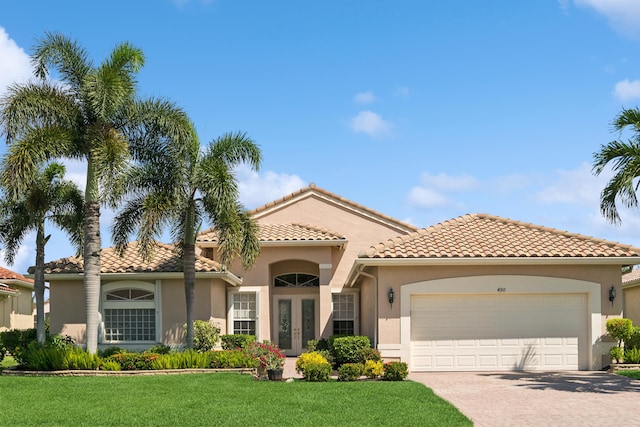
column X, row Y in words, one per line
column 324, row 311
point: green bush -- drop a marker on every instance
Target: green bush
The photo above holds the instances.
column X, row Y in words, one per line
column 373, row 369
column 110, row 351
column 346, row 349
column 234, row 341
column 160, row 349
column 236, row 358
column 134, row 361
column 634, row 340
column 77, row 358
column 317, row 372
column 632, row 355
column 368, row 353
column 320, row 345
column 617, row 354
column 395, row 371
column 16, row 341
column 205, row 335
column 109, row 365
column 620, row 329
column 350, row 371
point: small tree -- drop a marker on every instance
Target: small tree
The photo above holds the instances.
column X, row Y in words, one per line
column 620, row 329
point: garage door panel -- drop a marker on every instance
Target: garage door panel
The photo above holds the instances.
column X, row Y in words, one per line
column 504, row 332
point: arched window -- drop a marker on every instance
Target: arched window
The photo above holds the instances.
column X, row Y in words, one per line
column 129, row 312
column 296, row 280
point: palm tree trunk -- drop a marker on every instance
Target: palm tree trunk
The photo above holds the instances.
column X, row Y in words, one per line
column 189, row 268
column 38, row 285
column 91, row 255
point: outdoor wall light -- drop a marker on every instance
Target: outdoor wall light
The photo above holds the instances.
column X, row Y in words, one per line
column 390, row 295
column 612, row 294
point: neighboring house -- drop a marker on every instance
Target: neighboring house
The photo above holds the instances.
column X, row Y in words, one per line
column 631, row 290
column 477, row 292
column 16, row 302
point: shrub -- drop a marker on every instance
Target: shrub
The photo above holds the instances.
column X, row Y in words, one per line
column 205, row 335
column 109, row 365
column 634, row 340
column 350, row 371
column 60, row 341
column 308, row 358
column 346, row 349
column 368, row 353
column 317, row 372
column 632, row 355
column 233, row 341
column 160, row 349
column 134, row 361
column 620, row 329
column 395, row 371
column 77, row 358
column 617, row 354
column 373, row 369
column 232, row 359
column 318, row 345
column 16, row 342
column 267, row 354
column 110, row 351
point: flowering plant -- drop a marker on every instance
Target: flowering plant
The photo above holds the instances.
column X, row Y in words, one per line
column 268, row 354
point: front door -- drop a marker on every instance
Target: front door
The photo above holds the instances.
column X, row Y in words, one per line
column 296, row 323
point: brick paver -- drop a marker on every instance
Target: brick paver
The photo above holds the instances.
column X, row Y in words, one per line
column 576, row 398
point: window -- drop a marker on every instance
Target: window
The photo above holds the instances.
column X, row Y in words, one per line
column 129, row 312
column 244, row 313
column 297, row 280
column 344, row 314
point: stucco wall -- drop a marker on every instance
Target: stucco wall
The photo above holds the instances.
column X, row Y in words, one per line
column 389, row 317
column 632, row 304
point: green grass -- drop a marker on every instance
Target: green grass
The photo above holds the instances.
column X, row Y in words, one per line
column 631, row 374
column 218, row 399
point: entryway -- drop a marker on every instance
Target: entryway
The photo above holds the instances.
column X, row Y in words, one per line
column 296, row 322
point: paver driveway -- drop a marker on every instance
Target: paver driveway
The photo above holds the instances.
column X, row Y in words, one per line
column 576, row 398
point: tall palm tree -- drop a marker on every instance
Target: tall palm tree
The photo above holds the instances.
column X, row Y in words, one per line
column 182, row 192
column 48, row 198
column 93, row 115
column 624, row 157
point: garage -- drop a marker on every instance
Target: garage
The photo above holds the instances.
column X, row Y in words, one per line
column 499, row 331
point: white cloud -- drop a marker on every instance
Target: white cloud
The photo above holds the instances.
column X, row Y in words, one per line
column 364, row 97
column 575, row 187
column 626, row 90
column 15, row 65
column 450, row 183
column 256, row 189
column 370, row 123
column 623, row 15
column 428, row 198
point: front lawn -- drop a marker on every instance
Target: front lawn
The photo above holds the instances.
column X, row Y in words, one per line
column 218, row 399
column 631, row 374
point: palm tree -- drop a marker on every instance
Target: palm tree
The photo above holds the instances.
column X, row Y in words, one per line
column 48, row 198
column 182, row 191
column 93, row 115
column 624, row 156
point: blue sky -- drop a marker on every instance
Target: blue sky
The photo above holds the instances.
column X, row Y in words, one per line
column 421, row 110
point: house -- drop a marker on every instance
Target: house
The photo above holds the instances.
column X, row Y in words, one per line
column 478, row 292
column 16, row 302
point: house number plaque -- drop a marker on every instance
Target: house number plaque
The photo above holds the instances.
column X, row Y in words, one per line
column 502, row 289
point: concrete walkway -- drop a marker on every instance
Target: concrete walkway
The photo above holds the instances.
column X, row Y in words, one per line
column 576, row 398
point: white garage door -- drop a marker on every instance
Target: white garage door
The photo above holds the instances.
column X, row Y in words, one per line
column 498, row 332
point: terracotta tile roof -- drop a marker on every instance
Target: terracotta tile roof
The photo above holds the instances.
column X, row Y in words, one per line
column 487, row 236
column 6, row 289
column 632, row 277
column 312, row 188
column 283, row 233
column 6, row 274
column 164, row 261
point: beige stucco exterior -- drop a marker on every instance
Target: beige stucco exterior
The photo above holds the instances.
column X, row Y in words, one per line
column 632, row 303
column 16, row 309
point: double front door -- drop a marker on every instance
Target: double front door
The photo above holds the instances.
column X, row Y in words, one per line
column 296, row 322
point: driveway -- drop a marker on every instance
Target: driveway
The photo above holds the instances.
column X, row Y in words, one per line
column 576, row 398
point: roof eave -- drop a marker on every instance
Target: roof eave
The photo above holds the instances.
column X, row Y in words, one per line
column 228, row 277
column 633, row 260
column 273, row 243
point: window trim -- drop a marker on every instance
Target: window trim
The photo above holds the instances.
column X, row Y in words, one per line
column 243, row 290
column 156, row 304
column 297, row 285
column 356, row 308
